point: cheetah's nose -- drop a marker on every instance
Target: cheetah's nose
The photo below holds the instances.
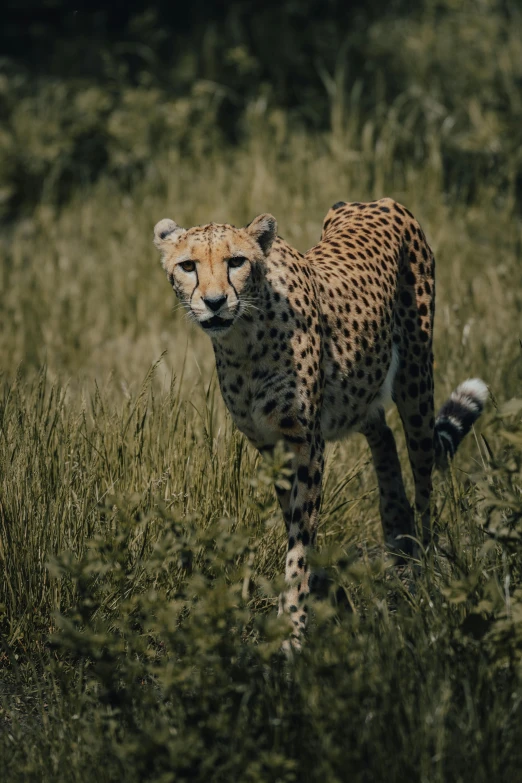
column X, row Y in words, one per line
column 215, row 303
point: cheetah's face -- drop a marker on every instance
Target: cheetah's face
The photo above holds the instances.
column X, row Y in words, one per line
column 212, row 268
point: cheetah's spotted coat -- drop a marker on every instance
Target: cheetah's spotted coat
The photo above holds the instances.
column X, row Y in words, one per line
column 310, row 347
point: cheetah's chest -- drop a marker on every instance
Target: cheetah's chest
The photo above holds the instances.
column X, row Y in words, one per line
column 256, row 396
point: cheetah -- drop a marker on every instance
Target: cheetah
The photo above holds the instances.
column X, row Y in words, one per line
column 312, row 347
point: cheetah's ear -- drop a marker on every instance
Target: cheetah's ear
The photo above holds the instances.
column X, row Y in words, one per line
column 166, row 231
column 264, row 230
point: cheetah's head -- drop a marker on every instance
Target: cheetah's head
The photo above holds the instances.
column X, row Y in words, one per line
column 212, row 268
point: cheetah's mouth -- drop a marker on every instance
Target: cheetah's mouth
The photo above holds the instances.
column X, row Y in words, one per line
column 216, row 323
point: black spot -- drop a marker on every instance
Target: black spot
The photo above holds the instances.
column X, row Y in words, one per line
column 270, row 405
column 294, row 439
column 339, row 204
column 302, row 473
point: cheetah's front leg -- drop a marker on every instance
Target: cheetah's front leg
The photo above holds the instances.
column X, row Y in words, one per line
column 301, row 511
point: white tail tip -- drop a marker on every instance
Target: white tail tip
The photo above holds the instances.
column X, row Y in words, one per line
column 474, row 388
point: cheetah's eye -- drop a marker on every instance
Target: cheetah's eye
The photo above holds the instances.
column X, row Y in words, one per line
column 188, row 266
column 236, row 262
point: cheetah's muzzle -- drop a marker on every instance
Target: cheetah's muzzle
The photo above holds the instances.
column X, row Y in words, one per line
column 216, row 323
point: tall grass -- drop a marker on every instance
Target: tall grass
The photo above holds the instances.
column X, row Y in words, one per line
column 140, row 539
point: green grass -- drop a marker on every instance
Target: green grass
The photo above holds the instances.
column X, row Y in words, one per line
column 141, row 546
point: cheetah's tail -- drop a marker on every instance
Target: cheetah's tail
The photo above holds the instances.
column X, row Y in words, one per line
column 456, row 417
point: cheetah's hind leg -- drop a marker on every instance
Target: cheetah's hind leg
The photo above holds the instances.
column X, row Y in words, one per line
column 396, row 511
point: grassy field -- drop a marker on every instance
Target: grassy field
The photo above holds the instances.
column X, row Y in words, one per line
column 141, row 546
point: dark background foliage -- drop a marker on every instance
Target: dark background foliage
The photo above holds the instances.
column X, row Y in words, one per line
column 450, row 67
